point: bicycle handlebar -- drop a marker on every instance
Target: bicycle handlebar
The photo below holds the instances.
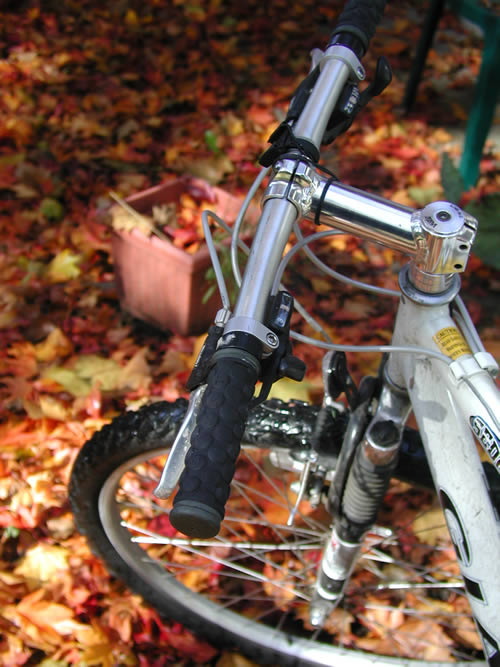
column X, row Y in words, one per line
column 204, row 485
column 359, row 18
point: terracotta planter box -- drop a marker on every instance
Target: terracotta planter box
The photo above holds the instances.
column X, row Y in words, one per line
column 158, row 282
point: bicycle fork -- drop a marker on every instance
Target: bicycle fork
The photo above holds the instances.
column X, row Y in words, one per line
column 358, row 500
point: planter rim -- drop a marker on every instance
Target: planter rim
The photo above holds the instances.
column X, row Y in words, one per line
column 153, row 243
column 157, row 245
column 185, row 183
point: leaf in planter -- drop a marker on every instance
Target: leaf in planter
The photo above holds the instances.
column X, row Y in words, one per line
column 124, row 222
column 165, row 214
column 487, row 243
column 187, row 239
column 206, row 297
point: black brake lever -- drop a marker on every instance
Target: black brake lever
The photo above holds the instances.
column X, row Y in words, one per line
column 339, row 380
column 352, row 101
column 382, row 78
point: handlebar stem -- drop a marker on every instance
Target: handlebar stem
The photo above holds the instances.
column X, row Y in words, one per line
column 437, row 238
column 364, row 215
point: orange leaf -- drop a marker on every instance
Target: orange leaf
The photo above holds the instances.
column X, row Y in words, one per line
column 55, row 345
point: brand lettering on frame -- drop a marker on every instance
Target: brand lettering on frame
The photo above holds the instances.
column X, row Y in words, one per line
column 487, row 438
column 456, row 528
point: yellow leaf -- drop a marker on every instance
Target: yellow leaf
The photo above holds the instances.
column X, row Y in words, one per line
column 45, row 613
column 136, row 373
column 43, row 488
column 230, row 659
column 287, row 390
column 233, row 125
column 173, row 362
column 55, row 345
column 64, row 267
column 430, row 527
column 69, row 379
column 84, row 634
column 402, row 197
column 321, row 285
column 211, row 169
column 441, row 135
column 43, row 562
column 61, row 527
column 171, row 154
column 124, row 221
column 391, row 162
column 99, row 371
column 121, row 616
column 54, row 408
column 131, row 18
column 101, row 655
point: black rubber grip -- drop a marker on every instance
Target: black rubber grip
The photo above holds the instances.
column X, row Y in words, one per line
column 215, row 444
column 360, row 18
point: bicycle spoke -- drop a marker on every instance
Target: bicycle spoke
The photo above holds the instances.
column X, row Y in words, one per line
column 415, row 612
column 265, row 570
column 267, row 523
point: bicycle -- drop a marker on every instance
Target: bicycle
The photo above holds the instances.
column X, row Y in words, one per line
column 292, row 566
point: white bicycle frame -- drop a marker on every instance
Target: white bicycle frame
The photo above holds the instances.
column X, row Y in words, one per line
column 452, row 404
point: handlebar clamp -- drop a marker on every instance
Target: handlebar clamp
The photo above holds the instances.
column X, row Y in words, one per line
column 444, row 234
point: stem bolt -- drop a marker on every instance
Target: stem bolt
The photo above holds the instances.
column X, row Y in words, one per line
column 443, row 216
column 271, row 339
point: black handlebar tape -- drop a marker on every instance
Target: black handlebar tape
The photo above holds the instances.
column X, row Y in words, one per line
column 204, row 485
column 360, row 18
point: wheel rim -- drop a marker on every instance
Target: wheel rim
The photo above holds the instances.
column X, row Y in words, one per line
column 255, row 577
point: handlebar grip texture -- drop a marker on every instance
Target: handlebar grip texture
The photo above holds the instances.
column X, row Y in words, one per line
column 204, row 485
column 360, row 18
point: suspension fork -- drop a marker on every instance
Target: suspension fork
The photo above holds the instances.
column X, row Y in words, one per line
column 367, row 482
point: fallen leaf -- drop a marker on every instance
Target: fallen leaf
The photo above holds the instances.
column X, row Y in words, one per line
column 43, row 562
column 430, row 527
column 64, row 266
column 56, row 345
column 69, row 379
column 54, row 408
column 137, row 373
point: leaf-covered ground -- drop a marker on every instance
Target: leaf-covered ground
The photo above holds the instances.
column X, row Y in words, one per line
column 99, row 97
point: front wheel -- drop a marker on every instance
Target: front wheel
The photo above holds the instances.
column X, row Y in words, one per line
column 250, row 586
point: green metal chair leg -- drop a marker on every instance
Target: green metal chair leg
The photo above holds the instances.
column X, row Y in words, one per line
column 483, row 109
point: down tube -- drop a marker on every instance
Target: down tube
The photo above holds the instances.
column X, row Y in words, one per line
column 445, row 410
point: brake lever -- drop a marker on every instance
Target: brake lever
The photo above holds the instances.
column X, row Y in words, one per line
column 337, row 379
column 352, row 101
column 175, row 463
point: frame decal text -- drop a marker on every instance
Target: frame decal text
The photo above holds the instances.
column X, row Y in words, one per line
column 456, row 528
column 451, row 342
column 487, row 438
